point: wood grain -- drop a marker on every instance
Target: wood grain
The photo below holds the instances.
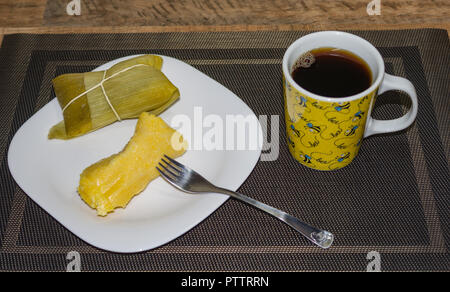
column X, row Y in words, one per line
column 33, row 13
column 237, row 12
column 118, row 16
column 22, row 12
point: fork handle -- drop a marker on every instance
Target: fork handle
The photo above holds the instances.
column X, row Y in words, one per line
column 322, row 238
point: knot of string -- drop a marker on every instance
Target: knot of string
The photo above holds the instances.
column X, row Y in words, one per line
column 104, row 79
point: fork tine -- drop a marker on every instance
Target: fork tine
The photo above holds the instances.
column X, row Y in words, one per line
column 163, row 174
column 174, row 176
column 169, row 179
column 175, row 162
column 179, row 171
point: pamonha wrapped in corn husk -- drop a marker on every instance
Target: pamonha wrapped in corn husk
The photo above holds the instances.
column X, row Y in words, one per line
column 138, row 86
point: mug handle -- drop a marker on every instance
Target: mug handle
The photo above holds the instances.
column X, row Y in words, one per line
column 391, row 82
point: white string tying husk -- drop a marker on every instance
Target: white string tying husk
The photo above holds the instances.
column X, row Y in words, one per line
column 103, row 89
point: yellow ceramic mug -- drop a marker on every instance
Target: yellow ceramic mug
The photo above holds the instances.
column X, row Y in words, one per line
column 325, row 133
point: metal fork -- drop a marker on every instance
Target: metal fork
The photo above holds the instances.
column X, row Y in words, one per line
column 186, row 179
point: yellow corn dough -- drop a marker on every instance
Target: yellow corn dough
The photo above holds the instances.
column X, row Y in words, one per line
column 114, row 181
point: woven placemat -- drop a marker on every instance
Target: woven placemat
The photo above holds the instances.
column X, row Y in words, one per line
column 392, row 200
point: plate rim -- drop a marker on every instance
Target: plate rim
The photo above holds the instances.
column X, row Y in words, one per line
column 220, row 200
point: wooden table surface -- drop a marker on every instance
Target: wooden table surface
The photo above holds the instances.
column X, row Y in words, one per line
column 50, row 16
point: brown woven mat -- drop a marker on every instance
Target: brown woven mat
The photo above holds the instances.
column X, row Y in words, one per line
column 394, row 199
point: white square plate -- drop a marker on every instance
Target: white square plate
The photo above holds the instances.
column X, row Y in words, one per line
column 48, row 170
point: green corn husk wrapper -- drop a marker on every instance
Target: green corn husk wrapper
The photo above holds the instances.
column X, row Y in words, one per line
column 140, row 89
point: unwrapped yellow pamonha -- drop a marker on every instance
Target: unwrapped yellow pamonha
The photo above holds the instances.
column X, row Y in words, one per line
column 114, row 181
column 131, row 87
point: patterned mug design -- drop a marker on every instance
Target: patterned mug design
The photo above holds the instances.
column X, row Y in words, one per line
column 325, row 135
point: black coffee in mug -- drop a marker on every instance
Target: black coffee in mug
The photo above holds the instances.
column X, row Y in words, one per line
column 332, row 72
